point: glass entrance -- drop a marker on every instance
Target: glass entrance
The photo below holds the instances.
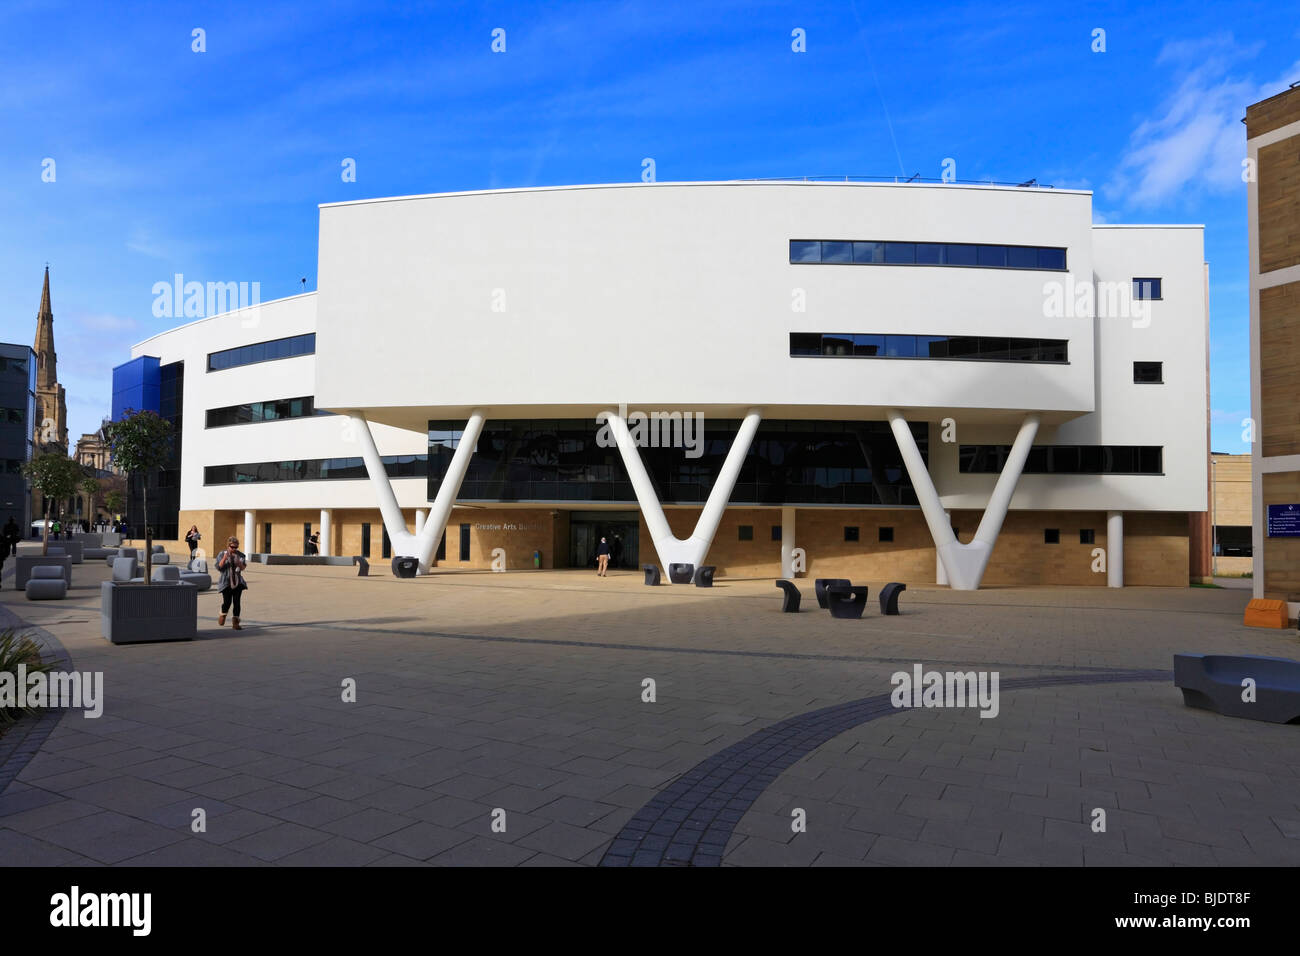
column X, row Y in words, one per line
column 620, row 529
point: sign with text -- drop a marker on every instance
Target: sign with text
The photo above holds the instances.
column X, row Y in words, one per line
column 1284, row 521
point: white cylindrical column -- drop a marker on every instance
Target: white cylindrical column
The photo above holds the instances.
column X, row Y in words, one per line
column 250, row 534
column 325, row 531
column 787, row 543
column 940, row 572
column 420, row 515
column 1115, row 549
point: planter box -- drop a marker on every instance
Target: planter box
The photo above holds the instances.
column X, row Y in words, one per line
column 135, row 613
column 111, row 539
column 72, row 549
column 25, row 563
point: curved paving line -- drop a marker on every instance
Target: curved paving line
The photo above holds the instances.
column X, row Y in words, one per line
column 23, row 739
column 690, row 822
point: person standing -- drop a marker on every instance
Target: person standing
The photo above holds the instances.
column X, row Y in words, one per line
column 231, row 563
column 9, row 539
column 313, row 543
column 192, row 538
column 602, row 559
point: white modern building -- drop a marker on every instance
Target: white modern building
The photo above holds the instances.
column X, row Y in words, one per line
column 848, row 373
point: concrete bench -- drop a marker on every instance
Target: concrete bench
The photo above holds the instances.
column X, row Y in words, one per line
column 124, row 553
column 790, row 597
column 847, row 600
column 681, row 573
column 198, row 579
column 405, row 567
column 821, row 584
column 889, row 597
column 46, row 584
column 1214, row 682
column 652, row 578
column 363, row 566
column 160, row 555
column 24, row 563
column 125, row 569
column 704, row 576
column 166, row 574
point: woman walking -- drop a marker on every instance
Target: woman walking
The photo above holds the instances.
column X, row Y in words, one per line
column 231, row 563
column 192, row 538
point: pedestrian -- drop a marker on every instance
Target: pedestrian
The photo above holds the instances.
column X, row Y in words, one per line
column 192, row 538
column 55, row 529
column 602, row 559
column 313, row 543
column 9, row 539
column 231, row 563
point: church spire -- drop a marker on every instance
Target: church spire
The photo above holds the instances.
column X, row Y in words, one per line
column 46, row 360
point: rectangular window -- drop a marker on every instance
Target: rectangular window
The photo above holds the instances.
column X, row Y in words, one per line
column 1051, row 536
column 776, row 532
column 962, row 254
column 442, row 547
column 387, row 545
column 270, row 411
column 1147, row 288
column 262, row 352
column 313, row 469
column 266, row 538
column 746, row 532
column 966, row 347
column 850, row 534
column 306, row 537
column 1066, row 459
column 886, row 534
column 1148, row 373
column 464, row 542
column 365, row 539
column 1087, row 536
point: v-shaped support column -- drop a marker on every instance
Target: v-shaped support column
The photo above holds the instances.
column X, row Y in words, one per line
column 419, row 546
column 671, row 549
column 965, row 563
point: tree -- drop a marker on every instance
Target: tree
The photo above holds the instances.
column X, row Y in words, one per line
column 90, row 488
column 55, row 476
column 140, row 443
column 114, row 501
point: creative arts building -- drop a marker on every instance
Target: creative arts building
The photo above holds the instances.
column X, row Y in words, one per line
column 974, row 385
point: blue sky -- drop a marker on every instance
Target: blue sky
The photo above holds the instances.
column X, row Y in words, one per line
column 212, row 164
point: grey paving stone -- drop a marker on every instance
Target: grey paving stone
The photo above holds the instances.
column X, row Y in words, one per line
column 336, row 851
column 276, row 842
column 563, row 840
column 368, row 824
column 422, row 841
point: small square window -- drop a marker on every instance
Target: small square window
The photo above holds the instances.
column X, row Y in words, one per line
column 1051, row 536
column 1147, row 288
column 886, row 534
column 850, row 534
column 1087, row 536
column 746, row 532
column 1148, row 373
column 776, row 532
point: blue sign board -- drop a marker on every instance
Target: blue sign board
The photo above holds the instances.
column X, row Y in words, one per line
column 1284, row 521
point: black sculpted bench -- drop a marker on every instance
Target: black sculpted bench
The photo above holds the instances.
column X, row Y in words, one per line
column 1215, row 682
column 821, row 584
column 651, row 575
column 847, row 600
column 790, row 597
column 889, row 597
column 681, row 573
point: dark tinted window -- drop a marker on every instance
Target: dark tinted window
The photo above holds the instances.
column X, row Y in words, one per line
column 801, row 251
column 886, row 534
column 956, row 254
column 1087, row 536
column 850, row 534
column 746, row 532
column 929, row 253
column 1066, row 459
column 900, row 252
column 1148, row 373
column 837, row 252
column 993, row 256
column 1147, row 289
column 1051, row 535
column 1022, row 257
column 868, row 252
column 262, row 352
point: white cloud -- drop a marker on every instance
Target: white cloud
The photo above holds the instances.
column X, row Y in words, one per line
column 1197, row 142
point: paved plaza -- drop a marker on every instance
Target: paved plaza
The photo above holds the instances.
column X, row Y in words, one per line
column 487, row 701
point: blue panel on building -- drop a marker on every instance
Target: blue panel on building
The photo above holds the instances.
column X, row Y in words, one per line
column 136, row 386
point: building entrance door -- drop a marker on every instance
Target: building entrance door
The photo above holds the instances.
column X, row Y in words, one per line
column 620, row 529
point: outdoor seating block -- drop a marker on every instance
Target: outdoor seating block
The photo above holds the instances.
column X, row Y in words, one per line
column 166, row 574
column 24, row 563
column 681, row 573
column 790, row 597
column 405, row 567
column 821, row 584
column 46, row 584
column 704, row 576
column 125, row 569
column 1261, row 612
column 1214, row 682
column 198, row 579
column 889, row 597
column 363, row 566
column 847, row 600
column 651, row 575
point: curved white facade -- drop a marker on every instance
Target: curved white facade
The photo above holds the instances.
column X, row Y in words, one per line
column 566, row 302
